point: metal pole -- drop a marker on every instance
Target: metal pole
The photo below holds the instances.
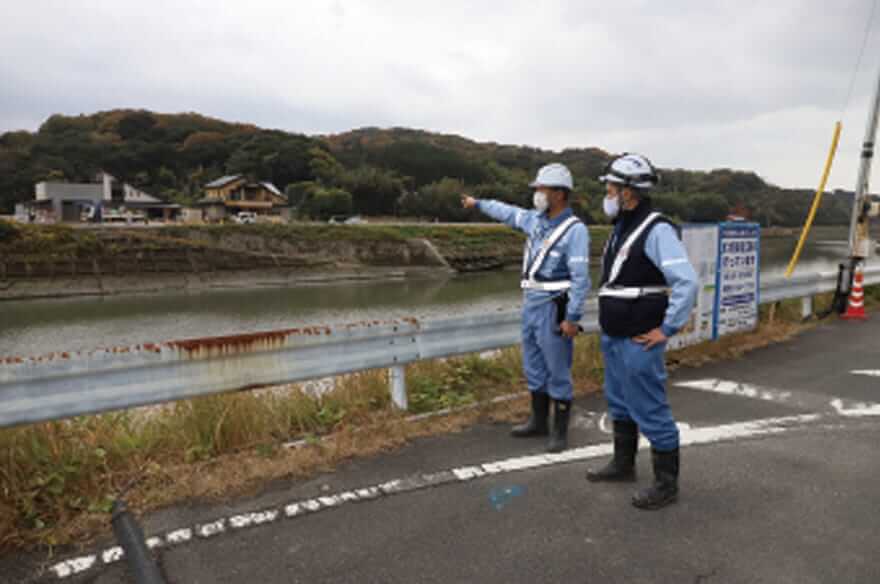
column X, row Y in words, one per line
column 398, row 387
column 130, row 536
column 858, row 230
column 806, row 307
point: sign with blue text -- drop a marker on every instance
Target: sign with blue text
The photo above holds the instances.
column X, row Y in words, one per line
column 738, row 278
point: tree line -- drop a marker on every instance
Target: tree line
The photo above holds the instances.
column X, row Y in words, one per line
column 377, row 172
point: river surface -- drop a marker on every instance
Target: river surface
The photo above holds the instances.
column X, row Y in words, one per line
column 36, row 327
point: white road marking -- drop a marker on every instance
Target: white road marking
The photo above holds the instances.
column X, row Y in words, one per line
column 73, row 566
column 727, row 432
column 248, row 519
column 112, row 555
column 855, row 410
column 311, row 505
column 868, row 372
column 293, row 510
column 178, row 536
column 603, row 424
column 467, row 472
column 368, row 493
column 737, row 389
column 211, row 529
column 690, row 436
column 839, row 406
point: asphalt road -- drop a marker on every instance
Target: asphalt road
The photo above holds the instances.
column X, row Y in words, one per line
column 779, row 484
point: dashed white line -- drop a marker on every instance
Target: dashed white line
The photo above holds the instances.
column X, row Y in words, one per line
column 211, row 529
column 689, row 436
column 112, row 555
column 867, row 372
column 178, row 536
column 248, row 519
column 73, row 566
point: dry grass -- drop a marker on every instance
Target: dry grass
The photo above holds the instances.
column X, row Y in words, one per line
column 57, row 479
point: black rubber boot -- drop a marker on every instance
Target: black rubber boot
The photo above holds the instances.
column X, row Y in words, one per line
column 665, row 488
column 622, row 466
column 561, row 414
column 537, row 422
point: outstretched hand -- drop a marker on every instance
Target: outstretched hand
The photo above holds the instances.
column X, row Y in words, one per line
column 468, row 202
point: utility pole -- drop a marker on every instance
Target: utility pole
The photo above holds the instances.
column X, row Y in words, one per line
column 863, row 209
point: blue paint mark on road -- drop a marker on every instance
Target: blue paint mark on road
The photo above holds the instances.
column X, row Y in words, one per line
column 500, row 497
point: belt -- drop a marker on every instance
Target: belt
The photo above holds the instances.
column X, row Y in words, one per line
column 545, row 286
column 631, row 293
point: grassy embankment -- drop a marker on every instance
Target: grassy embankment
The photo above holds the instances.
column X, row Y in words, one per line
column 45, row 242
column 56, row 242
column 57, row 479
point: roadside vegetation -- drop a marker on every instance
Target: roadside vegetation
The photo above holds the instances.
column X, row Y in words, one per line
column 58, row 479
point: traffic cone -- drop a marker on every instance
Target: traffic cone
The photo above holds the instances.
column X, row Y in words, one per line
column 855, row 307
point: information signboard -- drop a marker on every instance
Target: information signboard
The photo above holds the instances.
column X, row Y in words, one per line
column 701, row 243
column 738, row 281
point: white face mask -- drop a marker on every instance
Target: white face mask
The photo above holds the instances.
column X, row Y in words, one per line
column 539, row 200
column 611, row 206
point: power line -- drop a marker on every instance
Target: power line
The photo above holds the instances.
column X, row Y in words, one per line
column 852, row 80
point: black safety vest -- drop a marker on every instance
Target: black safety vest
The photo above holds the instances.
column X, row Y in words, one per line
column 619, row 317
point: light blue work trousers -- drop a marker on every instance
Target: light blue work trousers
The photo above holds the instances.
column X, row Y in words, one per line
column 547, row 354
column 635, row 388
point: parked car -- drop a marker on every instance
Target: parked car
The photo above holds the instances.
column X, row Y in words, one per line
column 245, row 217
column 115, row 216
column 346, row 220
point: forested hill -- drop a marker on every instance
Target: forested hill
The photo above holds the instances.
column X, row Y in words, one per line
column 372, row 171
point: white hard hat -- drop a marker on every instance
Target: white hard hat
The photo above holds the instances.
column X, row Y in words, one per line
column 553, row 175
column 632, row 170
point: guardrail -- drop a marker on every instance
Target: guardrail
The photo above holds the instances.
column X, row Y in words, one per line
column 61, row 385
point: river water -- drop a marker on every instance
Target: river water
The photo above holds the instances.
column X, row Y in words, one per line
column 36, row 327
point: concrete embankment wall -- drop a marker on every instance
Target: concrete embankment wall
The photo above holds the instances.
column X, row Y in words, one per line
column 127, row 262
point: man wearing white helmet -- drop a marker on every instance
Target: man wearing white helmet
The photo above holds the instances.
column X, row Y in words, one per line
column 648, row 290
column 555, row 281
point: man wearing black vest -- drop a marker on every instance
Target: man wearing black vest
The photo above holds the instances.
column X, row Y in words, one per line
column 648, row 289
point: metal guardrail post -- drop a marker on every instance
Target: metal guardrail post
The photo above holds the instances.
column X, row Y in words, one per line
column 397, row 374
column 806, row 307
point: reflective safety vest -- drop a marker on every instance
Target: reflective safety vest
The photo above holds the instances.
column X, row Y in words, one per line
column 530, row 270
column 633, row 295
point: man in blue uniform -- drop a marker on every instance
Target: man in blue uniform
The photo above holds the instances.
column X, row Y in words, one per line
column 647, row 293
column 555, row 281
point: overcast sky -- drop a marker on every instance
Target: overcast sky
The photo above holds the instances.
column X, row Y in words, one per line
column 695, row 84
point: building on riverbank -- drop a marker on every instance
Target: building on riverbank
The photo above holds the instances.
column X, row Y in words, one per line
column 229, row 195
column 106, row 198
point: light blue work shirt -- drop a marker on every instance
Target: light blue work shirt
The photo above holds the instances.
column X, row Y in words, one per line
column 568, row 260
column 666, row 251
